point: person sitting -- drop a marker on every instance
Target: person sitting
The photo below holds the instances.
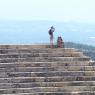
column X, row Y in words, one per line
column 60, row 42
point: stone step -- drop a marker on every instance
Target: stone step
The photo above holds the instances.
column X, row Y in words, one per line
column 65, row 93
column 46, row 69
column 47, row 89
column 57, row 93
column 46, row 64
column 23, row 46
column 46, row 74
column 75, row 68
column 25, row 55
column 46, row 84
column 21, row 51
column 47, row 79
column 37, row 46
column 44, row 59
column 26, row 69
column 34, row 50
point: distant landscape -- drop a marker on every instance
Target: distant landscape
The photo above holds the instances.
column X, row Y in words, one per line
column 88, row 50
column 31, row 32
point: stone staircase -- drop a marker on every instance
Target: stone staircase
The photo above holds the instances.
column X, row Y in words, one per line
column 40, row 70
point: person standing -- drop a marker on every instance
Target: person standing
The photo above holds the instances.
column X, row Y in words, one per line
column 51, row 30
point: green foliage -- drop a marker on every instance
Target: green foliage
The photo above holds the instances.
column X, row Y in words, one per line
column 86, row 49
column 79, row 46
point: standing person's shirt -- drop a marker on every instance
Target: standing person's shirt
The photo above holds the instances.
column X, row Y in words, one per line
column 51, row 31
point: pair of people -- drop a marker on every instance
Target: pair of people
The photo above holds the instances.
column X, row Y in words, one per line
column 60, row 43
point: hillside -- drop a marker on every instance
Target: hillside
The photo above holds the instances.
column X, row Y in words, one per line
column 86, row 49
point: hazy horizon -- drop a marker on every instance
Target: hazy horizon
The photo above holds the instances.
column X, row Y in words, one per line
column 27, row 21
column 31, row 32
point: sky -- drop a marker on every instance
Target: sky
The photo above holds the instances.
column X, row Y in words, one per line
column 56, row 10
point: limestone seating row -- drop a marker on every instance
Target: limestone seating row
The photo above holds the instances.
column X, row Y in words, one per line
column 10, row 51
column 26, row 69
column 43, row 59
column 39, row 49
column 57, row 93
column 61, row 93
column 48, row 79
column 31, row 50
column 25, row 46
column 29, row 47
column 46, row 74
column 24, row 55
column 46, row 84
column 46, row 64
column 48, row 89
column 46, row 69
